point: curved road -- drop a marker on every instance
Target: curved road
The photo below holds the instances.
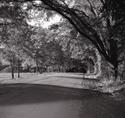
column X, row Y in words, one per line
column 42, row 101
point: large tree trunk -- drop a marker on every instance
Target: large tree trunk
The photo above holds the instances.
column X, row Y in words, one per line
column 111, row 72
column 107, row 71
column 97, row 68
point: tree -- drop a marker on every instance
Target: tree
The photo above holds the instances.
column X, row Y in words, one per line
column 9, row 55
column 11, row 39
column 100, row 21
column 47, row 52
column 77, row 47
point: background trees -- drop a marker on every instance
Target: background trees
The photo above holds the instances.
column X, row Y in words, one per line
column 77, row 47
column 99, row 21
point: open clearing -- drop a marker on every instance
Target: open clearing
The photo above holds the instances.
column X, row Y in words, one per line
column 59, row 79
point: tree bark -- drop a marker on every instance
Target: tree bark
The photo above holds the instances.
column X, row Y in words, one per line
column 18, row 68
column 109, row 71
column 97, row 68
column 12, row 67
column 37, row 66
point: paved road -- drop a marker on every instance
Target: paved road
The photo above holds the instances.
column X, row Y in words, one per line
column 42, row 101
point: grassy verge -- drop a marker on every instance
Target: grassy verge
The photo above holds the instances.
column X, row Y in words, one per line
column 105, row 86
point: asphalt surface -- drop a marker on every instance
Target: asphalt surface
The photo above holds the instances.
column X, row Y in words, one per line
column 47, row 101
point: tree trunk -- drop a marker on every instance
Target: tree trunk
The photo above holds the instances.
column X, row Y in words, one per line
column 37, row 67
column 18, row 74
column 115, row 73
column 12, row 72
column 12, row 68
column 97, row 68
column 110, row 72
column 18, row 68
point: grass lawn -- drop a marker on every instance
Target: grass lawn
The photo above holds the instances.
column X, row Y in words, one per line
column 59, row 79
column 71, row 80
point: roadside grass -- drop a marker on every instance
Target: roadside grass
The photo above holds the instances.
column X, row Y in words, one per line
column 105, row 86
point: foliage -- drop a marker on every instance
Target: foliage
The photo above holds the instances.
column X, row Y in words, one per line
column 99, row 21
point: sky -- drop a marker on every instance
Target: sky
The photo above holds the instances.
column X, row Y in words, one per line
column 37, row 21
column 1, row 46
column 43, row 23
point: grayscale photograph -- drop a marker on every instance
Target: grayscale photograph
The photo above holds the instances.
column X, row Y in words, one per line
column 62, row 58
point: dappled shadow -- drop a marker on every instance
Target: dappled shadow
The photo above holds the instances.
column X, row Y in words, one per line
column 34, row 93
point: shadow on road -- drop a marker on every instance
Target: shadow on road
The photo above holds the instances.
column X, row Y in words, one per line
column 35, row 100
column 35, row 93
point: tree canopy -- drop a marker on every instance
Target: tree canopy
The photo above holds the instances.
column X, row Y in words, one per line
column 100, row 21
